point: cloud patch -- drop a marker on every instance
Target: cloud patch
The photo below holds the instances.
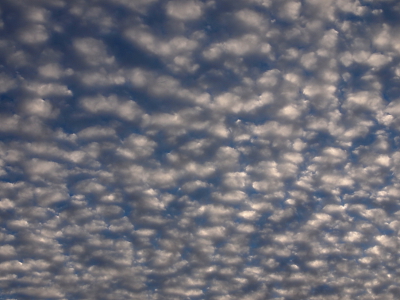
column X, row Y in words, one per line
column 199, row 149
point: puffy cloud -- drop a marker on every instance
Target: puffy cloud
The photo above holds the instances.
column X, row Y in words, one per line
column 291, row 10
column 365, row 100
column 48, row 89
column 100, row 104
column 6, row 82
column 351, row 7
column 51, row 70
column 199, row 149
column 93, row 51
column 34, row 34
column 184, row 10
column 244, row 45
column 139, row 5
column 39, row 107
column 251, row 18
column 136, row 146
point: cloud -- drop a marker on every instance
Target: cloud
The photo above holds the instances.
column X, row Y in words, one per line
column 93, row 51
column 100, row 104
column 290, row 10
column 7, row 83
column 39, row 107
column 199, row 149
column 34, row 34
column 184, row 10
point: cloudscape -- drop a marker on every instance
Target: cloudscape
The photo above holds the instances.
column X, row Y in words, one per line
column 199, row 149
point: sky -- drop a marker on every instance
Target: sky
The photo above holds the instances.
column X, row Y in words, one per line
column 199, row 149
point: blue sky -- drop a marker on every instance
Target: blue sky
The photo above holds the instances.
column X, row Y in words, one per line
column 199, row 149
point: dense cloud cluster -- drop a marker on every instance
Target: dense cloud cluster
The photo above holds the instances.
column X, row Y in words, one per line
column 199, row 149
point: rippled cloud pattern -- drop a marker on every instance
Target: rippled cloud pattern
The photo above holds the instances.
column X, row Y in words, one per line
column 199, row 149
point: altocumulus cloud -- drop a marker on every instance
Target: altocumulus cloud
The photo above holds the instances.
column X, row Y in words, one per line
column 199, row 149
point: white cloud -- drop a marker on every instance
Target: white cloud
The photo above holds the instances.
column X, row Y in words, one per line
column 93, row 51
column 251, row 18
column 6, row 83
column 49, row 196
column 48, row 89
column 366, row 100
column 199, row 149
column 309, row 60
column 269, row 79
column 352, row 6
column 136, row 146
column 39, row 107
column 184, row 10
column 378, row 60
column 235, row 180
column 34, row 34
column 96, row 132
column 38, row 15
column 244, row 45
column 127, row 109
column 212, row 232
column 194, row 185
column 231, row 197
column 52, row 70
column 291, row 10
column 139, row 5
column 176, row 51
column 44, row 170
column 290, row 112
